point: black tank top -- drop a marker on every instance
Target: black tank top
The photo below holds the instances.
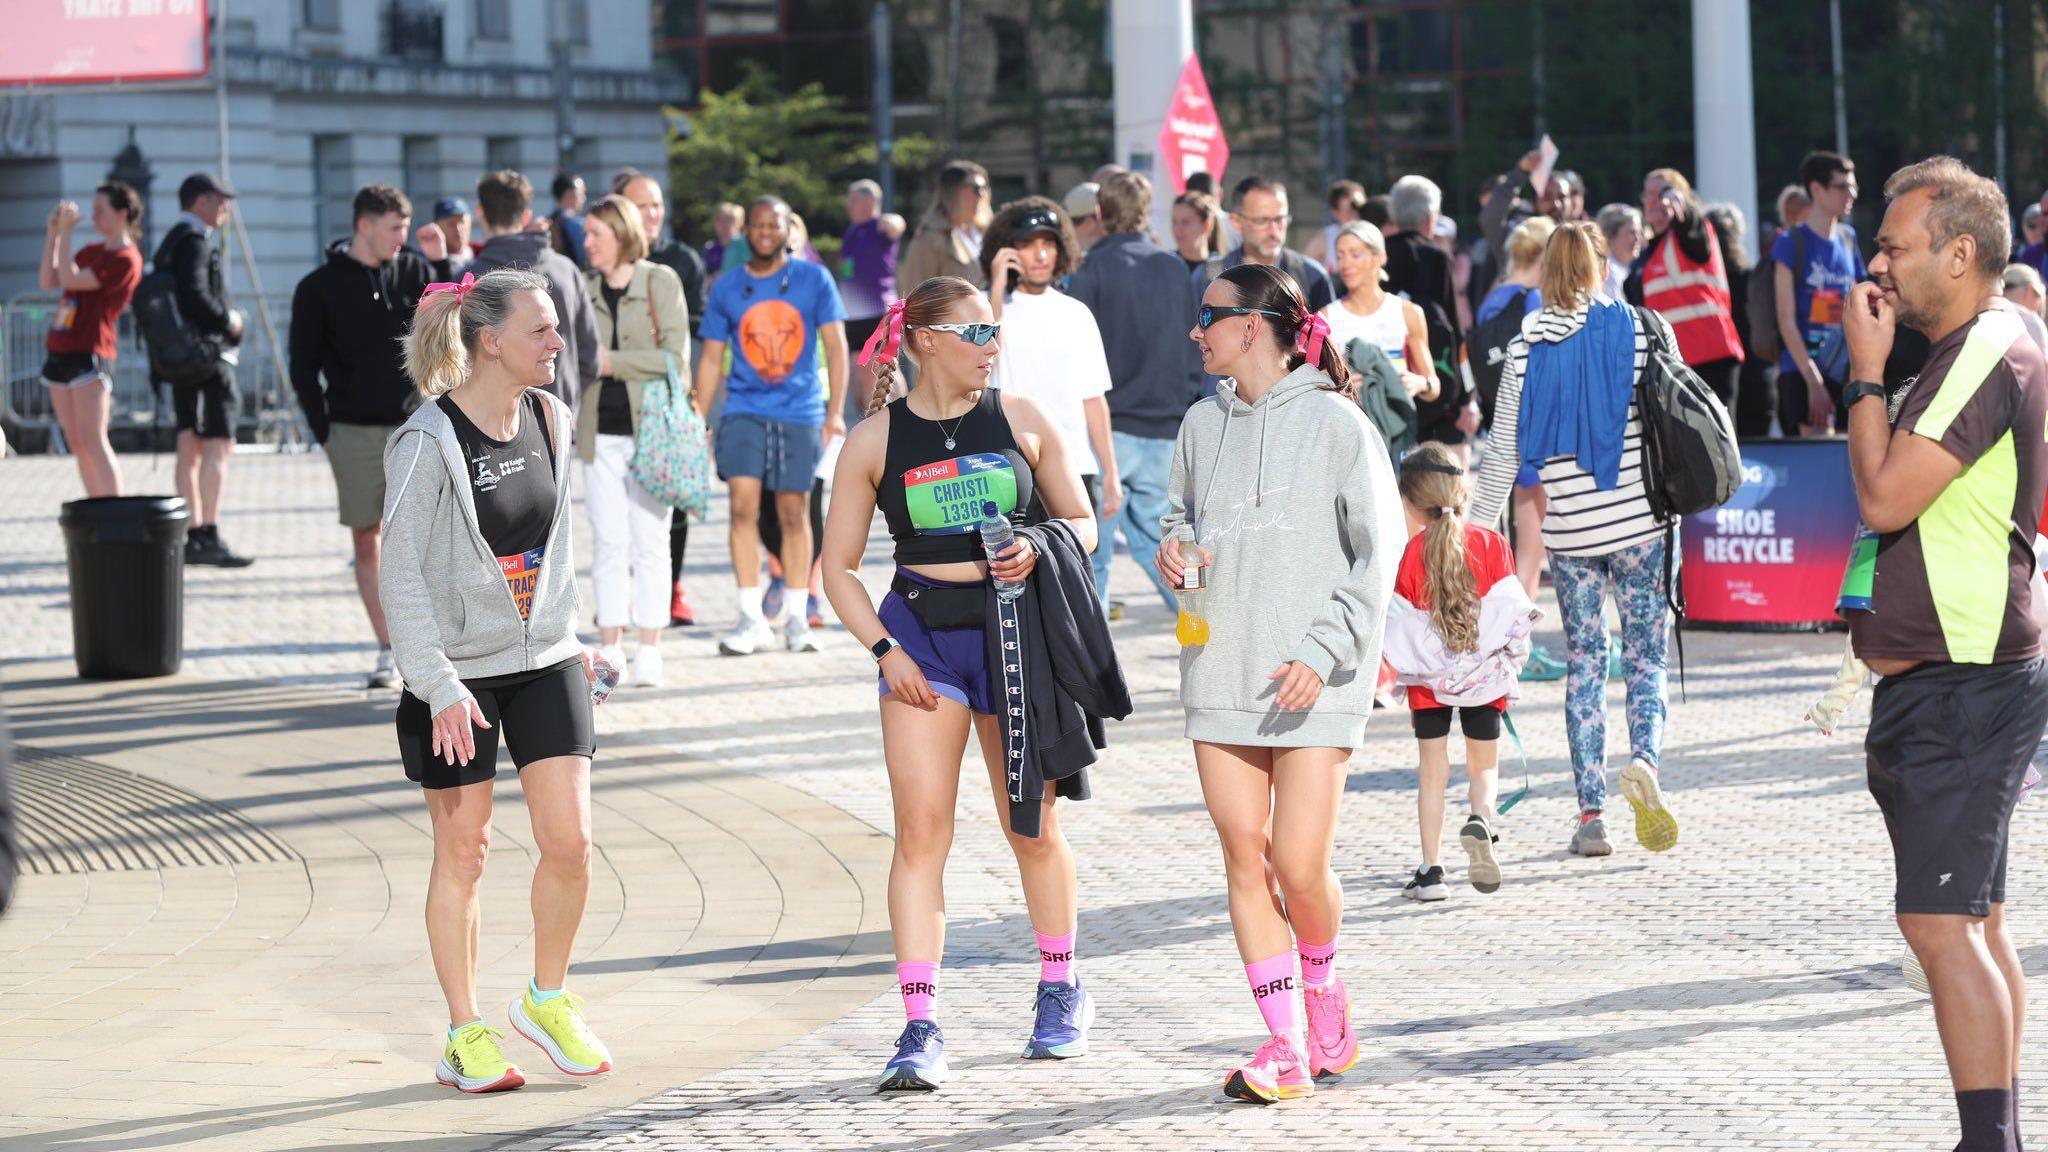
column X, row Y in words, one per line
column 932, row 495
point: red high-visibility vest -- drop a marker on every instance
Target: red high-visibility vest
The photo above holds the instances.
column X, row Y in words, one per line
column 1693, row 299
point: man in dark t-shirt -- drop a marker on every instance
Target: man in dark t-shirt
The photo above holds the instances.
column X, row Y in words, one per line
column 1953, row 487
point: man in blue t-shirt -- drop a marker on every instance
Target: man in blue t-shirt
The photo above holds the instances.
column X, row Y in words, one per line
column 773, row 312
column 1818, row 263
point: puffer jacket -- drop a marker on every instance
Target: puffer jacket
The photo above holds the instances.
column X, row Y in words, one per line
column 1420, row 658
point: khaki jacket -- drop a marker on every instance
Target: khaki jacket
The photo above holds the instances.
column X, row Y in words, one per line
column 935, row 251
column 654, row 335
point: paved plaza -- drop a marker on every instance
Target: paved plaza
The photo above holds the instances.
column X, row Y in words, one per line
column 220, row 946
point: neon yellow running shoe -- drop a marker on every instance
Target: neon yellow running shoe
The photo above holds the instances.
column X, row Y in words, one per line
column 557, row 1025
column 473, row 1062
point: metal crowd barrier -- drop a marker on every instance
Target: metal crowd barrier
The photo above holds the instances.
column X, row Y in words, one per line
column 268, row 408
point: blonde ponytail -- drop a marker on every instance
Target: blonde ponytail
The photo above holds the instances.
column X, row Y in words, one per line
column 1435, row 485
column 434, row 355
column 440, row 349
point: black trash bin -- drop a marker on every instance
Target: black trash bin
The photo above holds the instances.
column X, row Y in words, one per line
column 127, row 561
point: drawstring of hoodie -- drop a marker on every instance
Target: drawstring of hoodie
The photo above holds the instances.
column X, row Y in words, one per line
column 1259, row 480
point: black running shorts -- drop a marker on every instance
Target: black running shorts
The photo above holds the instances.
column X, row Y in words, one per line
column 536, row 715
column 1948, row 747
column 1481, row 723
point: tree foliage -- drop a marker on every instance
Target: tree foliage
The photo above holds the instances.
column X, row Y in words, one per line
column 754, row 140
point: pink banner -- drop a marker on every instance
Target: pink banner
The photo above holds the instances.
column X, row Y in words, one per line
column 1191, row 140
column 97, row 41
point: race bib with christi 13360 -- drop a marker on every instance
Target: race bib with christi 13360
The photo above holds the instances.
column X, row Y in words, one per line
column 522, row 576
column 945, row 497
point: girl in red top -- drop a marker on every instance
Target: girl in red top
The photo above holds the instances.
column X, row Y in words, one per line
column 97, row 284
column 1446, row 570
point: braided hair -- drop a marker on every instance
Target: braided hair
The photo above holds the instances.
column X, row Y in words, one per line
column 929, row 303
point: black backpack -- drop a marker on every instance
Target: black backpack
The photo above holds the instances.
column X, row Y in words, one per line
column 178, row 353
column 1486, row 352
column 1764, row 342
column 1690, row 459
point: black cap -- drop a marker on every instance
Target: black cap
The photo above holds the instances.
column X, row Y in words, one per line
column 200, row 184
column 1032, row 223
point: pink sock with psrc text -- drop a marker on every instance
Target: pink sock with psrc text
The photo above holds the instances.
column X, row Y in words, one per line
column 918, row 980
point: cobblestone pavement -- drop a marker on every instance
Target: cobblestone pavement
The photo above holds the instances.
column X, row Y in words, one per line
column 1739, row 992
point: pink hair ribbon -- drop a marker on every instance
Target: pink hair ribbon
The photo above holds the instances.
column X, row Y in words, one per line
column 887, row 336
column 461, row 289
column 1310, row 342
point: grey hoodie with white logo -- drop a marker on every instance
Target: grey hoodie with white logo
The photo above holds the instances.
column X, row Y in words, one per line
column 1295, row 497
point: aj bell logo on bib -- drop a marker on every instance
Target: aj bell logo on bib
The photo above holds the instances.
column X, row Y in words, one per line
column 945, row 498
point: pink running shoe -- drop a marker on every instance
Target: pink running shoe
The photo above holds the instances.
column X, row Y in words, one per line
column 1277, row 1072
column 1332, row 1045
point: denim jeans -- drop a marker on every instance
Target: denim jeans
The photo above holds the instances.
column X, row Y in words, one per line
column 1105, row 538
column 1636, row 576
column 1144, row 464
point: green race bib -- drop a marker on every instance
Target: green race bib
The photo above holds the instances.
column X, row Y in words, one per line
column 945, row 497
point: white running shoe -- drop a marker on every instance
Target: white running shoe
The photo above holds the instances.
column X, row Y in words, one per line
column 385, row 675
column 1916, row 976
column 796, row 632
column 647, row 667
column 753, row 634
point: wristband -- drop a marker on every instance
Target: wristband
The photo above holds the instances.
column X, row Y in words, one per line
column 1858, row 389
column 883, row 647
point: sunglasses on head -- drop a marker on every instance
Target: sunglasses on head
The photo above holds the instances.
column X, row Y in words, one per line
column 976, row 334
column 1211, row 313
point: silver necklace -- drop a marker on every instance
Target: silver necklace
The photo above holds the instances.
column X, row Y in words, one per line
column 956, row 426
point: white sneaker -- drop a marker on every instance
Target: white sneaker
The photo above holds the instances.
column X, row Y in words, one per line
column 647, row 667
column 385, row 675
column 616, row 657
column 753, row 634
column 796, row 632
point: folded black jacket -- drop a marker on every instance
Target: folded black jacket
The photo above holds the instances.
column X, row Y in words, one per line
column 349, row 322
column 1058, row 671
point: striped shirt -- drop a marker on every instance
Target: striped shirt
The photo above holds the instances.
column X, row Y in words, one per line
column 1581, row 520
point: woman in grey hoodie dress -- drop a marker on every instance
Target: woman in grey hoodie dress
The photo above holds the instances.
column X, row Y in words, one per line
column 1283, row 490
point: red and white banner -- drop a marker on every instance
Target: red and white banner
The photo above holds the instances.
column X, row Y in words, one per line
column 1191, row 140
column 98, row 41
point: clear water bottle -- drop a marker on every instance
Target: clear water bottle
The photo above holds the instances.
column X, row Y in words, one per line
column 996, row 538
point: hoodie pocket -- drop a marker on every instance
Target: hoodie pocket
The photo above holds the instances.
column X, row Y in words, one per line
column 478, row 631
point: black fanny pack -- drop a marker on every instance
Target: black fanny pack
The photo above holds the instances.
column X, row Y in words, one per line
column 943, row 607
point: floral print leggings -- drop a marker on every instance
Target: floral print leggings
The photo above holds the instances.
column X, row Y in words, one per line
column 1636, row 575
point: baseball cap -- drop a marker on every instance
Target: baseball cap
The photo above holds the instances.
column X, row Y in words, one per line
column 1080, row 202
column 1032, row 223
column 448, row 206
column 201, row 184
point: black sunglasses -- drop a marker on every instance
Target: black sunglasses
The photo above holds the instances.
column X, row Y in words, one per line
column 1211, row 313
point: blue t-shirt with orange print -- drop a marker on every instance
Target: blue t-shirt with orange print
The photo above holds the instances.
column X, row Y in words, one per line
column 771, row 323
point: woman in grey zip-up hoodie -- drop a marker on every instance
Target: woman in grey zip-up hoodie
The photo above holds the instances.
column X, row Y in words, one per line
column 1286, row 489
column 480, row 589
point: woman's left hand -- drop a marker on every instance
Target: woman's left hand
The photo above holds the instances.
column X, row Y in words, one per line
column 1299, row 686
column 1017, row 561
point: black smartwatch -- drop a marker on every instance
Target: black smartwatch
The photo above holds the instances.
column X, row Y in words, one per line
column 1857, row 389
column 883, row 647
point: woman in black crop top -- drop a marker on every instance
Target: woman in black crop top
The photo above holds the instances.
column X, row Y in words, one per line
column 931, row 461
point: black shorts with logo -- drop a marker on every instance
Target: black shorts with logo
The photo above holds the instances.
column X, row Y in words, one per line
column 1948, row 747
column 537, row 715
